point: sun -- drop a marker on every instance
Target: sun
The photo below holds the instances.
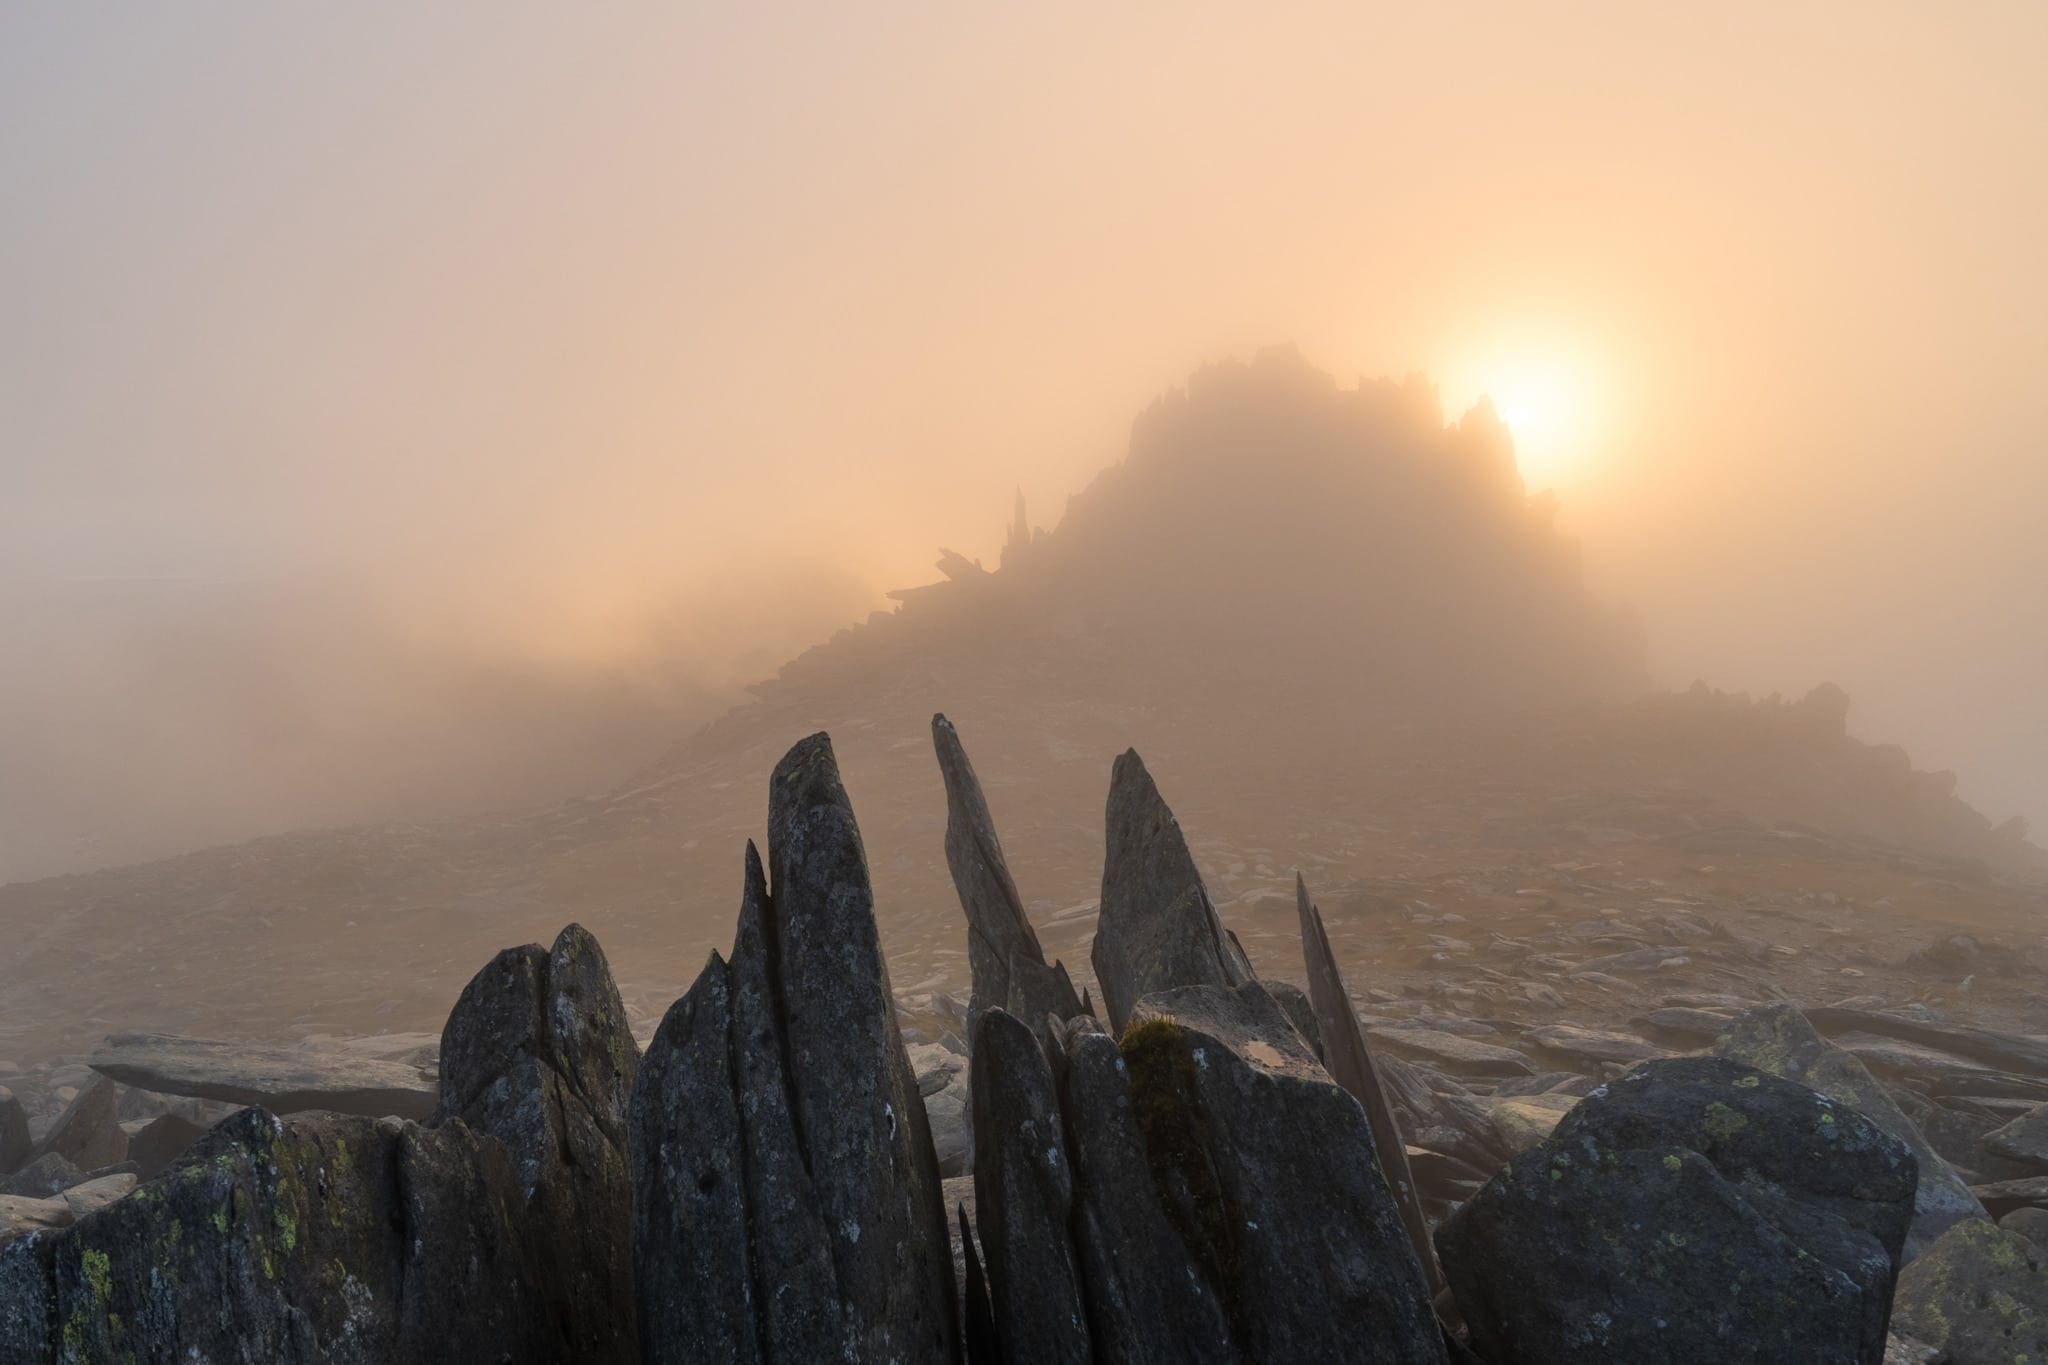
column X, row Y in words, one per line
column 1547, row 395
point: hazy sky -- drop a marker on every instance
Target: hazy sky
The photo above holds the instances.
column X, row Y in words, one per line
column 527, row 317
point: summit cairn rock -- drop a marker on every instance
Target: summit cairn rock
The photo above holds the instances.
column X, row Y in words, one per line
column 1777, row 1039
column 804, row 1143
column 1157, row 928
column 1693, row 1211
column 1002, row 948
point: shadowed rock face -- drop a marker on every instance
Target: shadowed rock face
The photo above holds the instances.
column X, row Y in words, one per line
column 496, row 1234
column 1002, row 948
column 1777, row 1039
column 15, row 1143
column 825, row 1164
column 1343, row 1050
column 284, row 1080
column 1157, row 928
column 1266, row 1168
column 1695, row 1210
column 88, row 1133
column 1024, row 1195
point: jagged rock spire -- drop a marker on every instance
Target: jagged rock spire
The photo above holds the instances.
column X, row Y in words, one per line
column 1002, row 948
column 846, row 1252
column 1350, row 1062
column 1157, row 927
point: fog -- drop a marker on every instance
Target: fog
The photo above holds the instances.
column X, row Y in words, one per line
column 408, row 411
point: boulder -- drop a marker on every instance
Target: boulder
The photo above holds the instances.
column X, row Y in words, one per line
column 942, row 1082
column 1522, row 1121
column 1157, row 928
column 1267, row 1169
column 1778, row 1040
column 1023, row 1199
column 1979, row 1294
column 2030, row 1223
column 88, row 1133
column 154, row 1143
column 284, row 1080
column 810, row 1137
column 1008, row 966
column 2025, row 1139
column 1694, row 1210
column 2001, row 1197
column 15, row 1142
column 48, row 1174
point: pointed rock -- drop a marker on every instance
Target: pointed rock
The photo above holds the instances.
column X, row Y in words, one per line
column 1350, row 1062
column 538, row 1054
column 1778, row 1040
column 1002, row 948
column 1157, row 928
column 1023, row 1198
column 15, row 1142
column 689, row 1189
column 88, row 1133
column 1268, row 1172
column 873, row 1171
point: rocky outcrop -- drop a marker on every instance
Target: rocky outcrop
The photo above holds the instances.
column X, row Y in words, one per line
column 88, row 1133
column 1267, row 1170
column 1695, row 1210
column 811, row 1140
column 1157, row 928
column 1980, row 1293
column 1008, row 966
column 1350, row 1062
column 2024, row 1140
column 154, row 1143
column 496, row 1233
column 284, row 1080
column 1777, row 1039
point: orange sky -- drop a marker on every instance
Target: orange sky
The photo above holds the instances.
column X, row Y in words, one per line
column 528, row 314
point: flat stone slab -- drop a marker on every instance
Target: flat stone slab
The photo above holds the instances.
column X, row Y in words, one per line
column 1453, row 1053
column 1595, row 1045
column 284, row 1080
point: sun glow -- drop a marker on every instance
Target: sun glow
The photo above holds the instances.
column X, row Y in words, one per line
column 1548, row 398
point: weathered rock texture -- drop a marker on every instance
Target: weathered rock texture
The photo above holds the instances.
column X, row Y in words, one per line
column 1695, row 1210
column 810, row 1139
column 1267, row 1171
column 1157, row 928
column 1778, row 1039
column 1008, row 966
column 1980, row 1293
column 1024, row 1196
column 15, row 1143
column 496, row 1234
column 284, row 1080
column 1350, row 1062
column 88, row 1133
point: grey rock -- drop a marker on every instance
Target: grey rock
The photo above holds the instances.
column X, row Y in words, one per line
column 21, row 1215
column 1024, row 1193
column 1778, row 1040
column 1980, row 1293
column 1295, row 1004
column 690, row 1233
column 90, row 1196
column 1594, row 1047
column 2001, row 1197
column 1157, row 928
column 284, row 1080
column 2029, row 1223
column 1146, row 1304
column 1696, row 1210
column 874, row 1173
column 1008, row 966
column 942, row 1082
column 48, row 1174
column 1349, row 1059
column 2025, row 1139
column 15, row 1142
column 2026, row 1056
column 538, row 1053
column 88, row 1133
column 1267, row 1169
column 155, row 1143
column 1466, row 1056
